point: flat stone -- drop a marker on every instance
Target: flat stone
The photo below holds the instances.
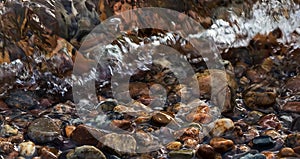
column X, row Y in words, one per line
column 174, row 145
column 270, row 121
column 293, row 140
column 24, row 100
column 255, row 156
column 85, row 152
column 43, row 130
column 86, row 135
column 287, row 152
column 291, row 107
column 181, row 154
column 119, row 144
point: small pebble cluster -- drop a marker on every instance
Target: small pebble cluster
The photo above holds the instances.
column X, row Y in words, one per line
column 258, row 118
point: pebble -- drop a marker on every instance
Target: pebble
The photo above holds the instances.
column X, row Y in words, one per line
column 27, row 149
column 181, row 154
column 297, row 150
column 6, row 147
column 69, row 130
column 86, row 135
column 255, row 156
column 107, row 105
column 269, row 154
column 200, row 115
column 221, row 145
column 173, row 146
column 206, row 152
column 291, row 107
column 221, row 126
column 24, row 100
column 287, row 152
column 262, row 143
column 293, row 140
column 161, row 119
column 120, row 144
column 270, row 121
column 190, row 143
column 7, row 130
column 272, row 133
column 85, row 152
column 47, row 154
column 253, row 117
column 43, row 130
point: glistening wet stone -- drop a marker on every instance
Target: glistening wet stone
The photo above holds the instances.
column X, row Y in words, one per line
column 85, row 152
column 43, row 130
column 262, row 143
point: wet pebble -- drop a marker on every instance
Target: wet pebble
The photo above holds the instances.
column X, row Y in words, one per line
column 86, row 135
column 253, row 156
column 270, row 121
column 6, row 147
column 175, row 145
column 27, row 149
column 43, row 130
column 253, row 117
column 181, row 154
column 45, row 152
column 84, row 152
column 24, row 100
column 206, row 152
column 291, row 107
column 262, row 143
column 293, row 140
column 7, row 130
column 120, row 144
column 221, row 144
column 296, row 124
column 221, row 126
column 287, row 152
column 161, row 119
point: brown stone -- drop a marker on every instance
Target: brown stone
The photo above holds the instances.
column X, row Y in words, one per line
column 69, row 129
column 6, row 147
column 293, row 140
column 291, row 107
column 221, row 145
column 221, row 126
column 293, row 84
column 287, row 152
column 206, row 152
column 175, row 145
column 85, row 135
column 270, row 121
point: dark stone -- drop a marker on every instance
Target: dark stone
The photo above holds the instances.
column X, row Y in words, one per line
column 296, row 124
column 262, row 143
column 206, row 152
column 85, row 135
column 24, row 100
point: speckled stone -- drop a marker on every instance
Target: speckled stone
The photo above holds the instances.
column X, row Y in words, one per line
column 174, row 145
column 293, row 140
column 221, row 145
column 6, row 147
column 206, row 152
column 47, row 154
column 270, row 121
column 43, row 130
column 7, row 130
column 27, row 149
column 181, row 154
column 85, row 152
column 255, row 156
column 161, row 119
column 221, row 126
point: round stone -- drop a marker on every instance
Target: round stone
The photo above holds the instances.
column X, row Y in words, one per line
column 43, row 130
column 221, row 126
column 221, row 145
column 287, row 152
column 206, row 152
column 84, row 152
column 161, row 119
column 27, row 149
column 86, row 135
column 293, row 140
column 7, row 130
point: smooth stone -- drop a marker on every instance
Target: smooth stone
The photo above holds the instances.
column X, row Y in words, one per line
column 293, row 84
column 24, row 100
column 293, row 140
column 287, row 152
column 221, row 126
column 43, row 130
column 253, row 117
column 221, row 145
column 262, row 143
column 46, row 153
column 119, row 144
column 255, row 156
column 161, row 119
column 107, row 105
column 7, row 130
column 297, row 150
column 181, row 154
column 86, row 135
column 69, row 130
column 85, row 152
column 272, row 133
column 27, row 149
column 174, row 145
column 206, row 152
column 291, row 107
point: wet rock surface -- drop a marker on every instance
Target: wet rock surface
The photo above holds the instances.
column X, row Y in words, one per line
column 248, row 110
